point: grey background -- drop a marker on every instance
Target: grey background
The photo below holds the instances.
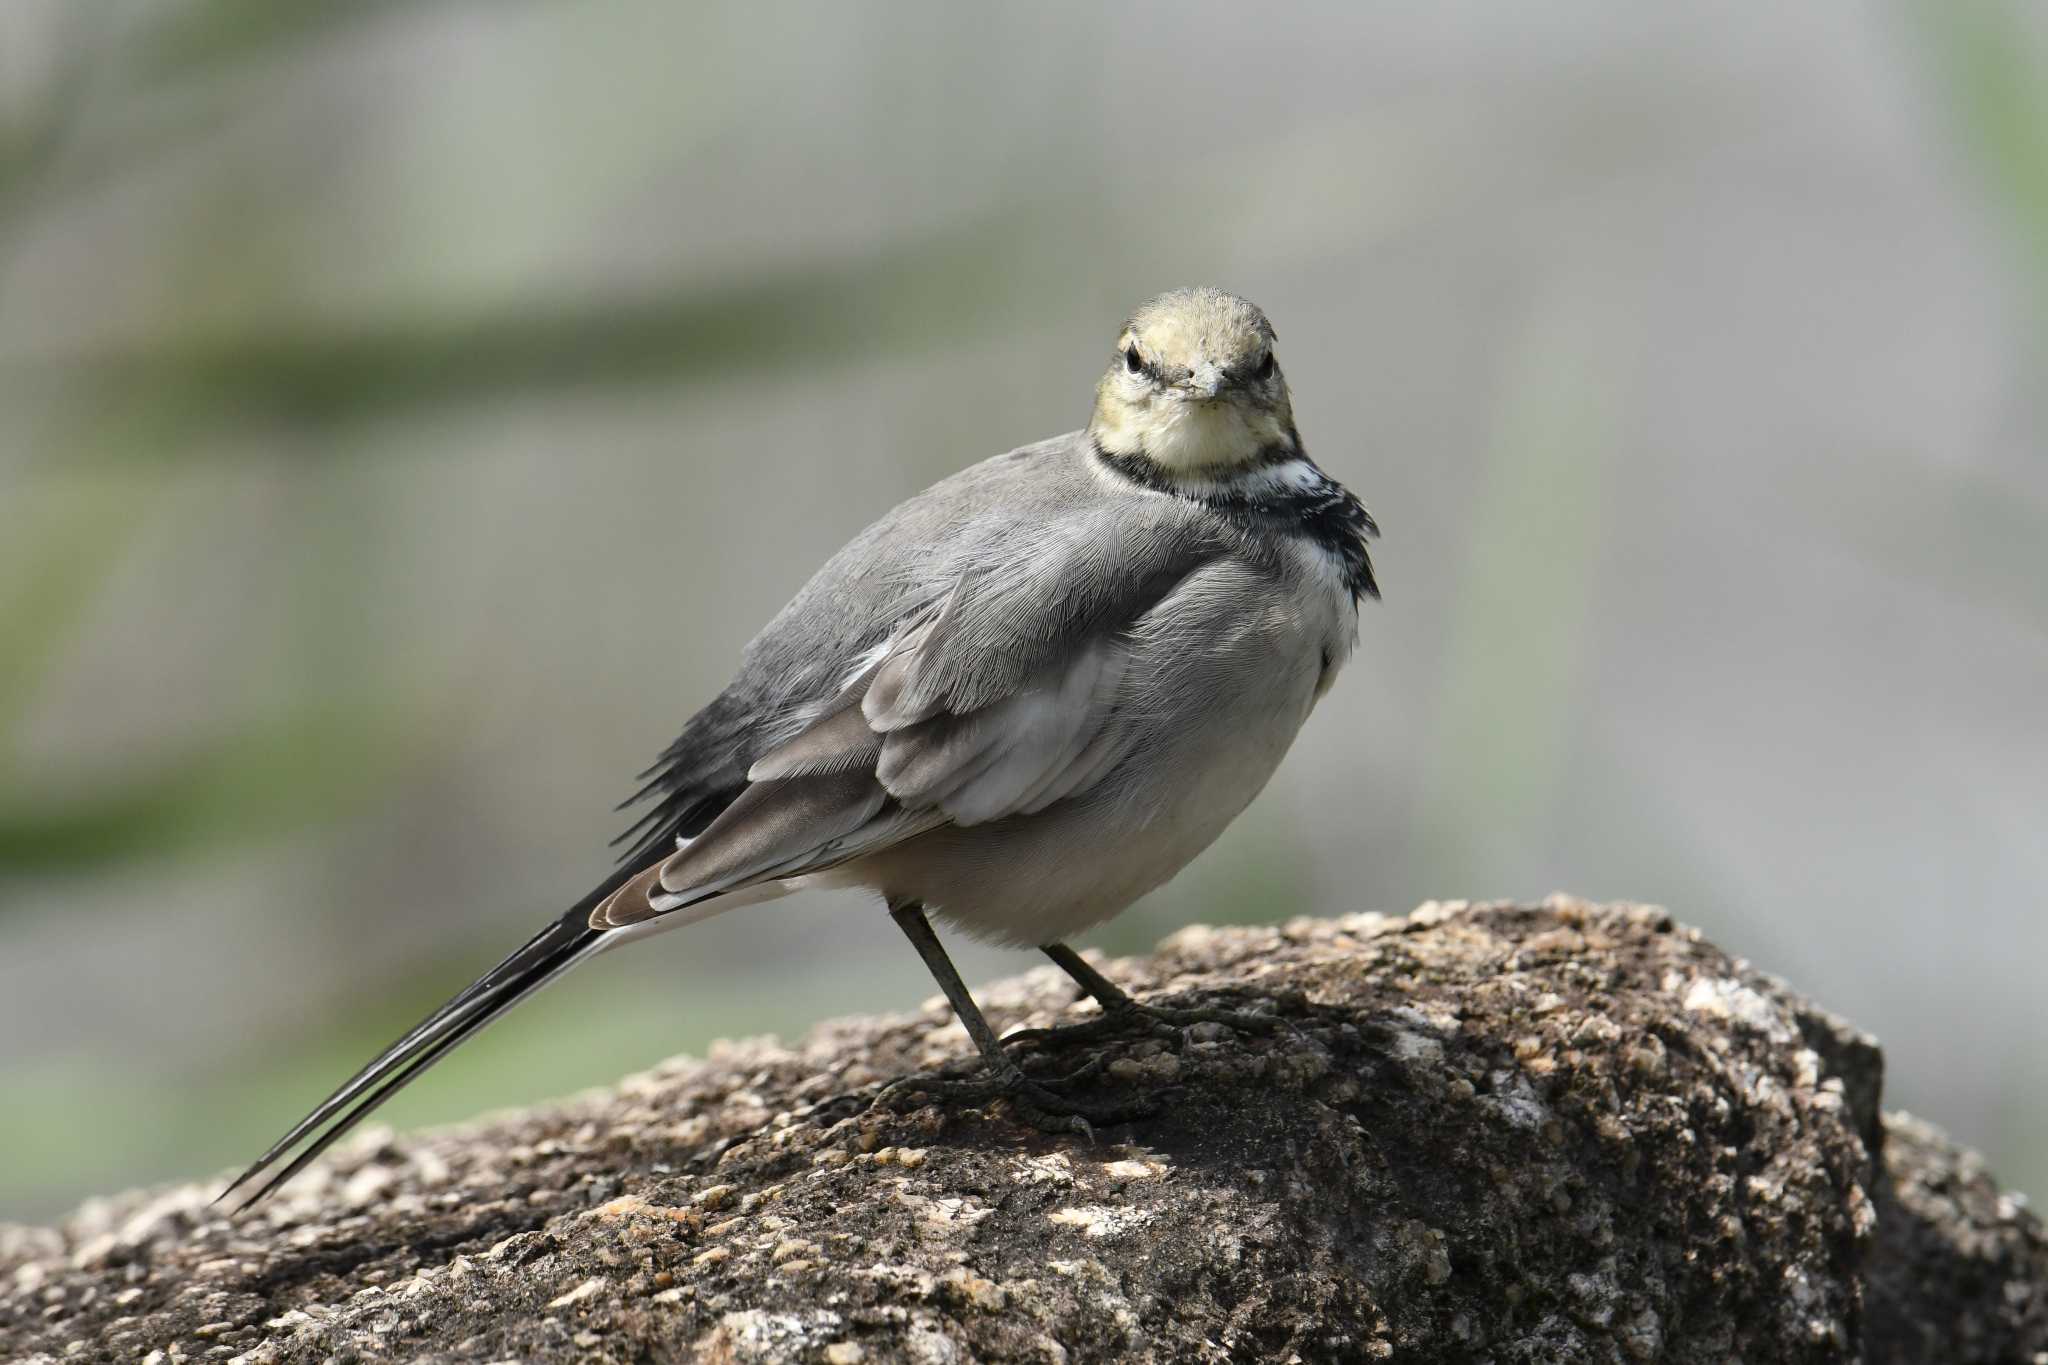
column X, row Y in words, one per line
column 408, row 411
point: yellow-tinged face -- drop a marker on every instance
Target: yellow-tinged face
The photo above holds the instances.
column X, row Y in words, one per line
column 1194, row 387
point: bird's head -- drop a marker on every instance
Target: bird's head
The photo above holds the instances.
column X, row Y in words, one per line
column 1194, row 388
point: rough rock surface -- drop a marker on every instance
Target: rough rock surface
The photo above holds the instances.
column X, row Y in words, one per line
column 1485, row 1133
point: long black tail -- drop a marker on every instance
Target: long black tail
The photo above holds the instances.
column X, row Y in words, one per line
column 545, row 956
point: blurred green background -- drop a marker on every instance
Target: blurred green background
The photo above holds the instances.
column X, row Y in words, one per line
column 408, row 411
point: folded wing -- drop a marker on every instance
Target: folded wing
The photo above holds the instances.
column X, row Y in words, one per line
column 997, row 702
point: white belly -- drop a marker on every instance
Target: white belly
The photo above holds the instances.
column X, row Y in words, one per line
column 1037, row 879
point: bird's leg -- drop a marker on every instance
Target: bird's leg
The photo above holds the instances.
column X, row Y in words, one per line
column 1032, row 1101
column 1122, row 1015
column 1107, row 993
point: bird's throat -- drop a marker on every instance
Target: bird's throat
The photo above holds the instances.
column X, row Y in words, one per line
column 1189, row 439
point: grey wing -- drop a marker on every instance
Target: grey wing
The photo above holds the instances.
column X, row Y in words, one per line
column 902, row 565
column 999, row 699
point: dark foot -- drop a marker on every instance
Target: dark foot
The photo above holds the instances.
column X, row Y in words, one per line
column 1129, row 1019
column 1033, row 1102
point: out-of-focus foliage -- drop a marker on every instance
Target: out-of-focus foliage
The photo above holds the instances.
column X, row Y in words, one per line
column 1989, row 62
column 408, row 411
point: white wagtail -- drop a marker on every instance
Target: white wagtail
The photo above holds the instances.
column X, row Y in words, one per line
column 1021, row 700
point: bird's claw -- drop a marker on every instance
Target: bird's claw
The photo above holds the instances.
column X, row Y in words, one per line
column 1033, row 1102
column 1158, row 1020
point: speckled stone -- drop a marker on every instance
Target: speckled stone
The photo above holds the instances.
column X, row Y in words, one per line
column 1488, row 1133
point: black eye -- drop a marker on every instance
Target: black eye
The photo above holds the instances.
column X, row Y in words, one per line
column 1132, row 362
column 1265, row 370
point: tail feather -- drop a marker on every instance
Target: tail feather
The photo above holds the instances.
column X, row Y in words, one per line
column 541, row 959
column 381, row 1064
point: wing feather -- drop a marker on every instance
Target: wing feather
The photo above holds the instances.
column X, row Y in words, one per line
column 1005, row 693
column 838, row 741
column 772, row 825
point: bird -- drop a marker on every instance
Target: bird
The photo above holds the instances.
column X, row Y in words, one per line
column 1019, row 701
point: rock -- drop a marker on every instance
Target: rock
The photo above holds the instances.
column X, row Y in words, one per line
column 1484, row 1133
